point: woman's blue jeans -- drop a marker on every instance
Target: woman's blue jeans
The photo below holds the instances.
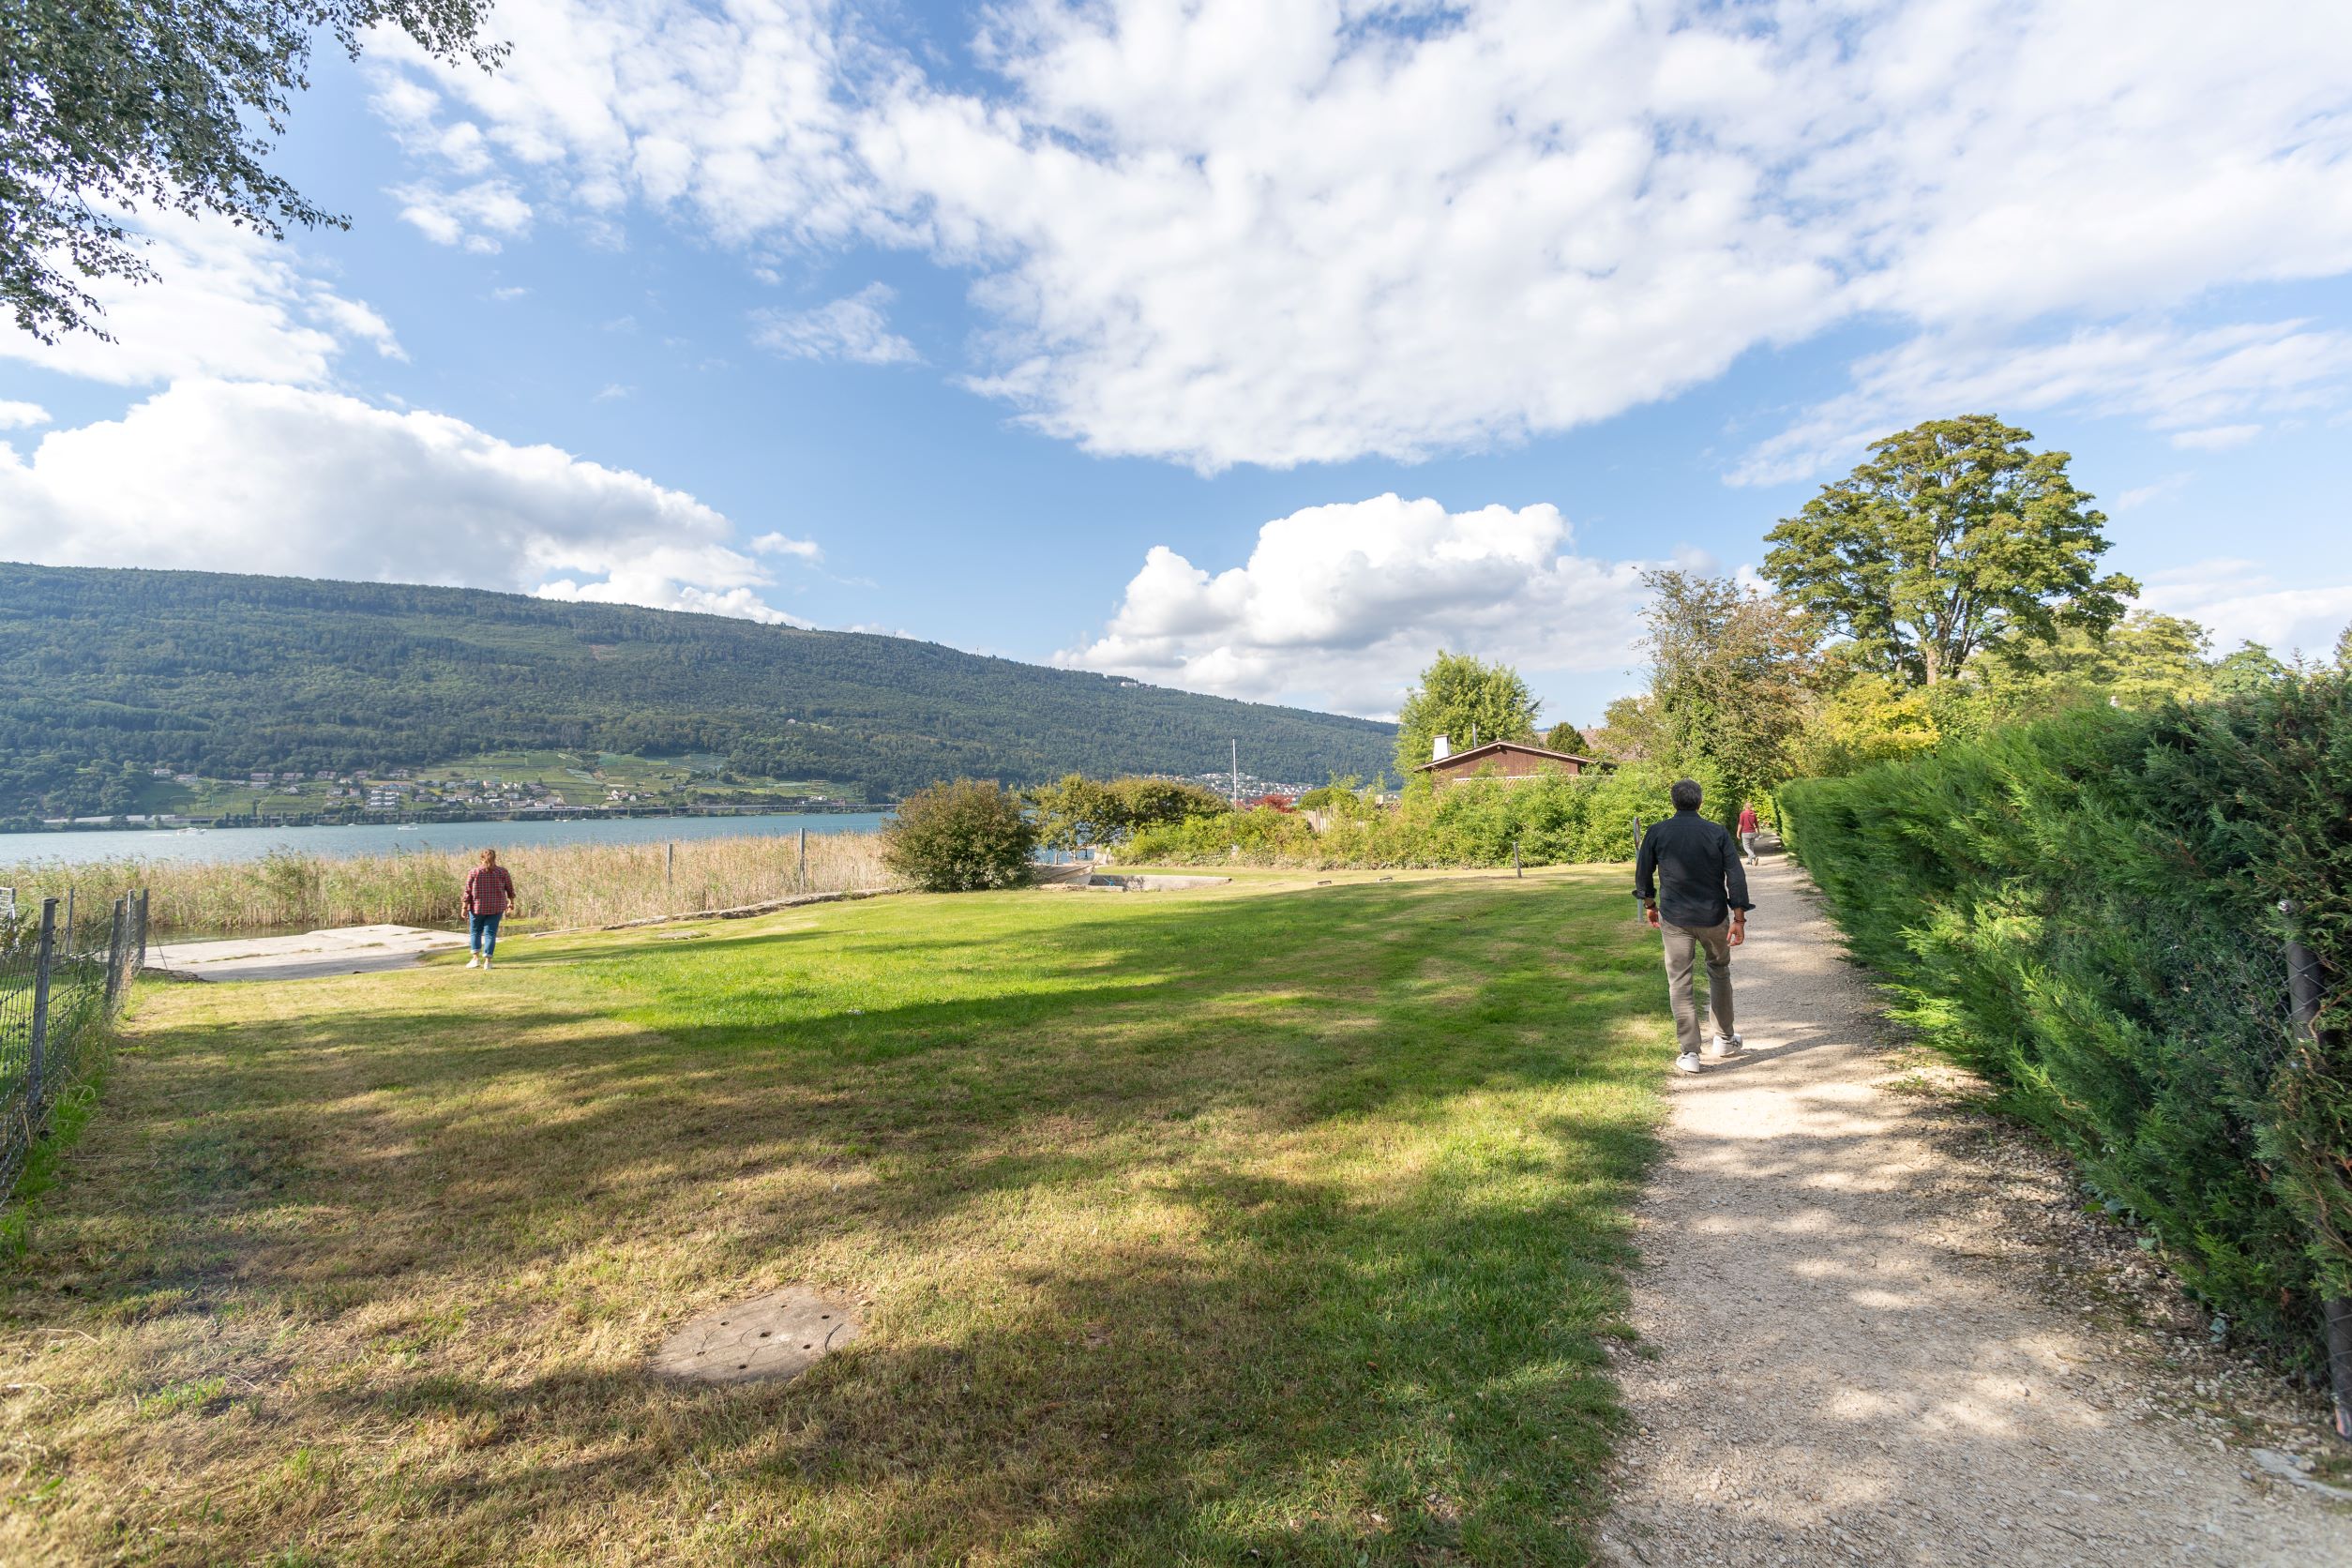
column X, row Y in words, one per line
column 482, row 932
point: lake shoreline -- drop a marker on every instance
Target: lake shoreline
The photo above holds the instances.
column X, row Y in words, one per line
column 343, row 840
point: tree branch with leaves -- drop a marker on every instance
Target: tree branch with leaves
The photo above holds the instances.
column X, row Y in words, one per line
column 111, row 107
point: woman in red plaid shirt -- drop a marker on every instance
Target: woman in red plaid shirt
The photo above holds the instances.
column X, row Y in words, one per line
column 490, row 893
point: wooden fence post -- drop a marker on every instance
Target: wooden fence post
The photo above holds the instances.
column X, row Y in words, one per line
column 670, row 864
column 36, row 1066
column 804, row 860
column 114, row 953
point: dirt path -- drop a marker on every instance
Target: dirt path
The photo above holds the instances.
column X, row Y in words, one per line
column 1850, row 1365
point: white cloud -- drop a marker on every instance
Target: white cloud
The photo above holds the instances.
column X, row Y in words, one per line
column 2140, row 495
column 2170, row 377
column 2239, row 602
column 853, row 328
column 18, row 416
column 227, row 302
column 2216, row 438
column 477, row 215
column 780, row 544
column 1342, row 606
column 1221, row 232
column 306, row 483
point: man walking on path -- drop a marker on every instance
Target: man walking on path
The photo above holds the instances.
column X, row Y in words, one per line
column 1748, row 826
column 490, row 893
column 1693, row 888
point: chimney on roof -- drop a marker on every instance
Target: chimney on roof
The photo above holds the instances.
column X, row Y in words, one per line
column 1440, row 751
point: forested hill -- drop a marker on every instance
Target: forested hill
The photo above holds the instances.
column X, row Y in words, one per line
column 218, row 675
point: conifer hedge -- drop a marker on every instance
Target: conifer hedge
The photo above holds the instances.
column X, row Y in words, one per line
column 2087, row 911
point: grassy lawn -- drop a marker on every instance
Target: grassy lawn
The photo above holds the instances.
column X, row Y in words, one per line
column 1278, row 1223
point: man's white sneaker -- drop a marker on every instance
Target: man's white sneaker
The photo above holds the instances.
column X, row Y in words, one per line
column 486, row 961
column 473, row 962
column 1686, row 1063
column 1722, row 1046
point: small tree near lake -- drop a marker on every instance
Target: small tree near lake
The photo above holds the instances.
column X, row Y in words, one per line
column 960, row 837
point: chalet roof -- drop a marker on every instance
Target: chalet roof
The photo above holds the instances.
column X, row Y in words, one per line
column 1492, row 748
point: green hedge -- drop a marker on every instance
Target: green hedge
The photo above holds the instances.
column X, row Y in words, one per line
column 1552, row 817
column 2086, row 910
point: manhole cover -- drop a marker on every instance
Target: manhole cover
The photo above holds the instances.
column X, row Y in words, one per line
column 775, row 1335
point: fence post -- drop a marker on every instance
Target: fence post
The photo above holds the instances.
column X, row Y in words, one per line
column 115, row 955
column 670, row 863
column 1516, row 869
column 2303, row 990
column 139, row 964
column 69, row 925
column 42, row 958
column 804, row 860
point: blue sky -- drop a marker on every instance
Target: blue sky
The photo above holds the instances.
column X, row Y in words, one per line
column 1104, row 335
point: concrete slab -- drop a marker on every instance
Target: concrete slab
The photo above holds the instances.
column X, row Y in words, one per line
column 779, row 1334
column 340, row 950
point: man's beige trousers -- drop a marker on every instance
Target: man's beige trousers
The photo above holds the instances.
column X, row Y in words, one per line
column 1683, row 944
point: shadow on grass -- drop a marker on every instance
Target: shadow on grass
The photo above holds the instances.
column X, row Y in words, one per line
column 1281, row 1227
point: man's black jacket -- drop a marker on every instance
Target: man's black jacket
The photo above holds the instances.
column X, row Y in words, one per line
column 1699, row 867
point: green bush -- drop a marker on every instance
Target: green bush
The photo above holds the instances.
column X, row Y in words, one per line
column 1553, row 819
column 960, row 837
column 2086, row 910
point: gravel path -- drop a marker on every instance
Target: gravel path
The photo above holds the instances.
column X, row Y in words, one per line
column 1852, row 1361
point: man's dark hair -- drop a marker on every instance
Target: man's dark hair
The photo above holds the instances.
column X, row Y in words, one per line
column 1685, row 795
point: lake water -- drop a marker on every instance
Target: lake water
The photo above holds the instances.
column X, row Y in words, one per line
column 252, row 843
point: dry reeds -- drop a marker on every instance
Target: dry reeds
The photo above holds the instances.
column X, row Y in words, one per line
column 563, row 884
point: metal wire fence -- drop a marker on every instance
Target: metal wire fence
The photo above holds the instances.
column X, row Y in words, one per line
column 64, row 971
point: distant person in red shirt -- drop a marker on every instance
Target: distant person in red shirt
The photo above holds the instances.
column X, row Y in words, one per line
column 490, row 893
column 1747, row 832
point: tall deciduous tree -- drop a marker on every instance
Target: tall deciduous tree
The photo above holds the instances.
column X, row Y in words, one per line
column 1729, row 679
column 110, row 106
column 2144, row 661
column 1462, row 697
column 1954, row 534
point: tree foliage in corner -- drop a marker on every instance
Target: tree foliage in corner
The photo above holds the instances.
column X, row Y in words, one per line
column 110, row 106
column 960, row 837
column 1955, row 535
column 1466, row 700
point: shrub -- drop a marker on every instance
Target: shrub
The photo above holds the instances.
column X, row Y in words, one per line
column 2086, row 910
column 1552, row 819
column 960, row 837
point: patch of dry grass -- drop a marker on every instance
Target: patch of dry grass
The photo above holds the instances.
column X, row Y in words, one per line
column 561, row 884
column 1274, row 1223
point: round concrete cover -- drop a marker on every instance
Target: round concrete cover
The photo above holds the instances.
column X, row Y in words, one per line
column 775, row 1336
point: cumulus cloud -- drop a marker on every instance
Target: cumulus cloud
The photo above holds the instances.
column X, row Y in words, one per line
column 226, row 301
column 18, row 416
column 307, row 483
column 2238, row 601
column 853, row 328
column 1342, row 606
column 1222, row 232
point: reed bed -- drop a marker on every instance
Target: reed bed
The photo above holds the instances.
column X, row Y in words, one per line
column 558, row 886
